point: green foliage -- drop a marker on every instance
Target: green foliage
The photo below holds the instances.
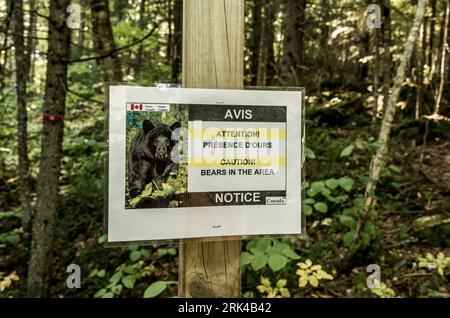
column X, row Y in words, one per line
column 125, row 275
column 273, row 252
column 383, row 291
column 157, row 288
column 11, row 238
column 323, row 194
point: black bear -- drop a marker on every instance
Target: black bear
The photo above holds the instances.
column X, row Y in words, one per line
column 150, row 156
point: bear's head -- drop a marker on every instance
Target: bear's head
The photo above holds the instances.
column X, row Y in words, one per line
column 158, row 139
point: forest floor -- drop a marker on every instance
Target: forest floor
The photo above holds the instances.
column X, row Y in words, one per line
column 416, row 187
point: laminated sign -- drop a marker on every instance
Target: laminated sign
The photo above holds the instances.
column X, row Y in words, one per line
column 187, row 163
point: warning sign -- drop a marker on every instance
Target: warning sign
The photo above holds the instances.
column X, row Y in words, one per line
column 189, row 163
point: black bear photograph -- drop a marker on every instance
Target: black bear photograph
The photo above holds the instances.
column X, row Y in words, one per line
column 153, row 174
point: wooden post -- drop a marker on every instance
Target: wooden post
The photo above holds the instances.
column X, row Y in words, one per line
column 213, row 57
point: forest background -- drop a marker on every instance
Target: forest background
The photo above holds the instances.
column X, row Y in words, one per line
column 377, row 157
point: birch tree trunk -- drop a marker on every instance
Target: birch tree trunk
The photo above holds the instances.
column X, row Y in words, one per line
column 420, row 66
column 51, row 150
column 378, row 161
column 386, row 29
column 443, row 60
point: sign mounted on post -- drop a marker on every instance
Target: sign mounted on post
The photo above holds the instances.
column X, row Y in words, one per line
column 187, row 163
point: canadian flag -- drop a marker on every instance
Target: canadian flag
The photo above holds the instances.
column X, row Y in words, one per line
column 136, row 106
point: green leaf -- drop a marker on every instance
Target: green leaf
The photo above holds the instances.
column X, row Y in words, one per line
column 347, row 151
column 101, row 273
column 348, row 238
column 321, row 207
column 10, row 238
column 309, row 153
column 172, row 251
column 259, row 261
column 309, row 201
column 162, row 252
column 133, row 247
column 263, row 244
column 346, row 183
column 290, row 253
column 251, row 244
column 318, row 186
column 332, row 183
column 10, row 214
column 246, row 258
column 117, row 289
column 347, row 220
column 135, row 255
column 129, row 269
column 144, row 253
column 147, row 192
column 116, row 277
column 358, row 203
column 108, row 295
column 280, row 246
column 307, row 209
column 102, row 239
column 312, row 192
column 129, row 281
column 359, row 144
column 155, row 289
column 395, row 168
column 277, row 262
column 93, row 273
column 134, row 201
column 100, row 293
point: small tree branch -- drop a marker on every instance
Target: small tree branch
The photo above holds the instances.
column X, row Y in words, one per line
column 98, row 57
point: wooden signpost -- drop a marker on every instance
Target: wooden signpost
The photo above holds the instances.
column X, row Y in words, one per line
column 213, row 57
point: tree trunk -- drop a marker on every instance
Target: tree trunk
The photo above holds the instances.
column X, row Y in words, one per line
column 431, row 36
column 120, row 6
column 421, row 55
column 169, row 32
column 378, row 161
column 262, row 50
column 266, row 60
column 386, row 29
column 7, row 24
column 21, row 97
column 31, row 42
column 142, row 23
column 255, row 41
column 104, row 41
column 269, row 20
column 51, row 149
column 327, row 69
column 177, row 40
column 80, row 39
column 443, row 63
column 293, row 42
column 437, row 53
column 376, row 74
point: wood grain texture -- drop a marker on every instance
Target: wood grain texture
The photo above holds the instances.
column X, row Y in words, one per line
column 213, row 57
